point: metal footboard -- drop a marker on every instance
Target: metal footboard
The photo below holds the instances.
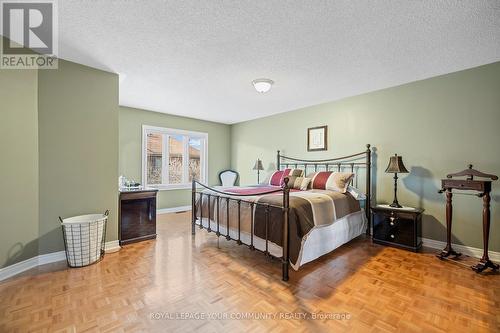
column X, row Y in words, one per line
column 239, row 199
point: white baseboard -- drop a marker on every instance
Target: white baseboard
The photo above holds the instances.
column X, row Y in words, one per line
column 43, row 259
column 467, row 250
column 112, row 246
column 17, row 268
column 51, row 257
column 173, row 210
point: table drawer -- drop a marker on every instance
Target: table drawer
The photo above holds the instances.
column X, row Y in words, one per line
column 402, row 234
column 462, row 184
column 395, row 229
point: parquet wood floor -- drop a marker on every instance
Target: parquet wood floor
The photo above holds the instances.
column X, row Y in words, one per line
column 381, row 289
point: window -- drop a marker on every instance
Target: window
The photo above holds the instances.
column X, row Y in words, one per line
column 173, row 158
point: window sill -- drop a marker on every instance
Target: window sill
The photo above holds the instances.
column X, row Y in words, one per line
column 171, row 187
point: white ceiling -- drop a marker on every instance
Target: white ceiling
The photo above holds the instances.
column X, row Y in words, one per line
column 198, row 58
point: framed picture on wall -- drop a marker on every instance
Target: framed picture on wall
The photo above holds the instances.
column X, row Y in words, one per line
column 317, row 138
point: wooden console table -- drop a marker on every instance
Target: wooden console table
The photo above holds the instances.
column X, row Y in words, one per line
column 484, row 189
column 137, row 215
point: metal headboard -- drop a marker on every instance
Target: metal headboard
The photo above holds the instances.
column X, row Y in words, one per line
column 350, row 162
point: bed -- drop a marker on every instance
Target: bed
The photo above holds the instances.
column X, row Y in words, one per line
column 285, row 222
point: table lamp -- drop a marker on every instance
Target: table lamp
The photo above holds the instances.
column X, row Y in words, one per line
column 396, row 166
column 258, row 166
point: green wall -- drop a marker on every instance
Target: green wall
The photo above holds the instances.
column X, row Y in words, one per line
column 131, row 121
column 438, row 125
column 18, row 166
column 78, row 138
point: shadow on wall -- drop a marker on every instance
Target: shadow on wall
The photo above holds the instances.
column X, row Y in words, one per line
column 421, row 182
column 20, row 252
column 271, row 167
column 52, row 241
column 431, row 225
column 266, row 174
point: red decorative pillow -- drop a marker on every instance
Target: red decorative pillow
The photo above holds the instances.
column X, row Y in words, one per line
column 320, row 179
column 331, row 180
column 277, row 177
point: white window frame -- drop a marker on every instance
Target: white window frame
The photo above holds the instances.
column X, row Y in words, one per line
column 146, row 129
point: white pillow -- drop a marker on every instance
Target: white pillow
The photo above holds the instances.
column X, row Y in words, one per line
column 357, row 194
column 339, row 181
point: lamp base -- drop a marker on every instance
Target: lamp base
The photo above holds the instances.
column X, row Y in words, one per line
column 395, row 205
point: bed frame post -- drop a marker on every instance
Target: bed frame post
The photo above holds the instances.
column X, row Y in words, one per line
column 368, row 189
column 278, row 160
column 193, row 207
column 286, row 235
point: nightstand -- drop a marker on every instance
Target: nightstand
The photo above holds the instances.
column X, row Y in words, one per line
column 399, row 227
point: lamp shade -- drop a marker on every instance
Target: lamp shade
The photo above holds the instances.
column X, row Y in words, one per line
column 258, row 165
column 396, row 165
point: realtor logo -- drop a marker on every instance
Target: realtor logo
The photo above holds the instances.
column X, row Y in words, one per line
column 30, row 28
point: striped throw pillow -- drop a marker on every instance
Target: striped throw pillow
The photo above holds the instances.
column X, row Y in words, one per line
column 278, row 176
column 330, row 180
column 298, row 183
column 320, row 179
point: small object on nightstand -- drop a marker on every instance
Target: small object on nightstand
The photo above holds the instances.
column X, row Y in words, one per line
column 399, row 227
column 396, row 166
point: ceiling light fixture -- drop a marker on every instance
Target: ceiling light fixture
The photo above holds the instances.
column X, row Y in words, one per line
column 262, row 85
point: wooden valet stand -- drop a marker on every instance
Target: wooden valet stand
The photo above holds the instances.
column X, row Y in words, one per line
column 484, row 189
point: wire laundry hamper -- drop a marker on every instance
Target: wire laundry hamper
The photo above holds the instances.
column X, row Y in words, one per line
column 84, row 238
